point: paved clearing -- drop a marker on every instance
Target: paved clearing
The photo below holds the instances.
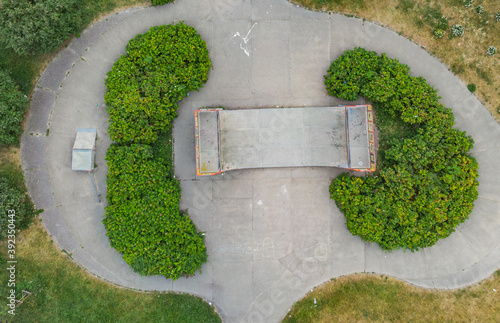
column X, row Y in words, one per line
column 271, row 234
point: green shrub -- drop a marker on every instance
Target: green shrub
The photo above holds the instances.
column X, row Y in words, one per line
column 160, row 2
column 13, row 197
column 387, row 76
column 350, row 72
column 29, row 26
column 472, row 87
column 438, row 33
column 145, row 85
column 143, row 220
column 427, row 184
column 13, row 104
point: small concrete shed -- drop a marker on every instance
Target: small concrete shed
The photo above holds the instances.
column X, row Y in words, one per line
column 84, row 150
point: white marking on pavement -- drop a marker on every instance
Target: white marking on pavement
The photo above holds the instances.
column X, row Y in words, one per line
column 244, row 40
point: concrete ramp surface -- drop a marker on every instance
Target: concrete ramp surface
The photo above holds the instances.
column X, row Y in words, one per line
column 284, row 137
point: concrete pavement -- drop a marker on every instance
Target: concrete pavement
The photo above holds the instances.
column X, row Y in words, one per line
column 271, row 234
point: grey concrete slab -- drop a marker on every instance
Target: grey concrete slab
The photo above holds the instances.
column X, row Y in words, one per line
column 316, row 172
column 72, row 186
column 33, row 150
column 311, row 221
column 270, row 59
column 347, row 251
column 233, row 189
column 276, row 234
column 195, row 10
column 231, row 58
column 272, row 232
column 38, row 117
column 202, row 283
column 224, row 10
column 37, row 182
column 233, row 288
column 232, row 230
column 184, row 136
column 482, row 237
column 270, row 10
column 55, row 224
column 309, row 57
column 54, row 75
column 58, row 149
column 448, row 259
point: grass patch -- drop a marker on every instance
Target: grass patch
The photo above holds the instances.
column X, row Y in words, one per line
column 63, row 292
column 418, row 19
column 370, row 298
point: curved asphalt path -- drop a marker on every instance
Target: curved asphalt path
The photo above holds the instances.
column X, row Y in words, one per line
column 271, row 234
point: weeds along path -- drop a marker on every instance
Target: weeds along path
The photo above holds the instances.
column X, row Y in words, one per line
column 271, row 234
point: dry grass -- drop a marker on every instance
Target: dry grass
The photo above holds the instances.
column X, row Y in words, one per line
column 10, row 155
column 466, row 56
column 371, row 298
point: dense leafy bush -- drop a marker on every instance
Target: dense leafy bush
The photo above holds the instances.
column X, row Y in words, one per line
column 427, row 184
column 160, row 2
column 13, row 197
column 350, row 72
column 13, row 104
column 145, row 85
column 471, row 87
column 143, row 220
column 30, row 26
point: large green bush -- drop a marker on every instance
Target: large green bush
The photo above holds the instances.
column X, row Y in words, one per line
column 29, row 26
column 143, row 220
column 13, row 104
column 428, row 182
column 13, row 197
column 145, row 85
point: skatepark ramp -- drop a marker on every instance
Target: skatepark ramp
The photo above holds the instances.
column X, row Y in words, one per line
column 284, row 137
